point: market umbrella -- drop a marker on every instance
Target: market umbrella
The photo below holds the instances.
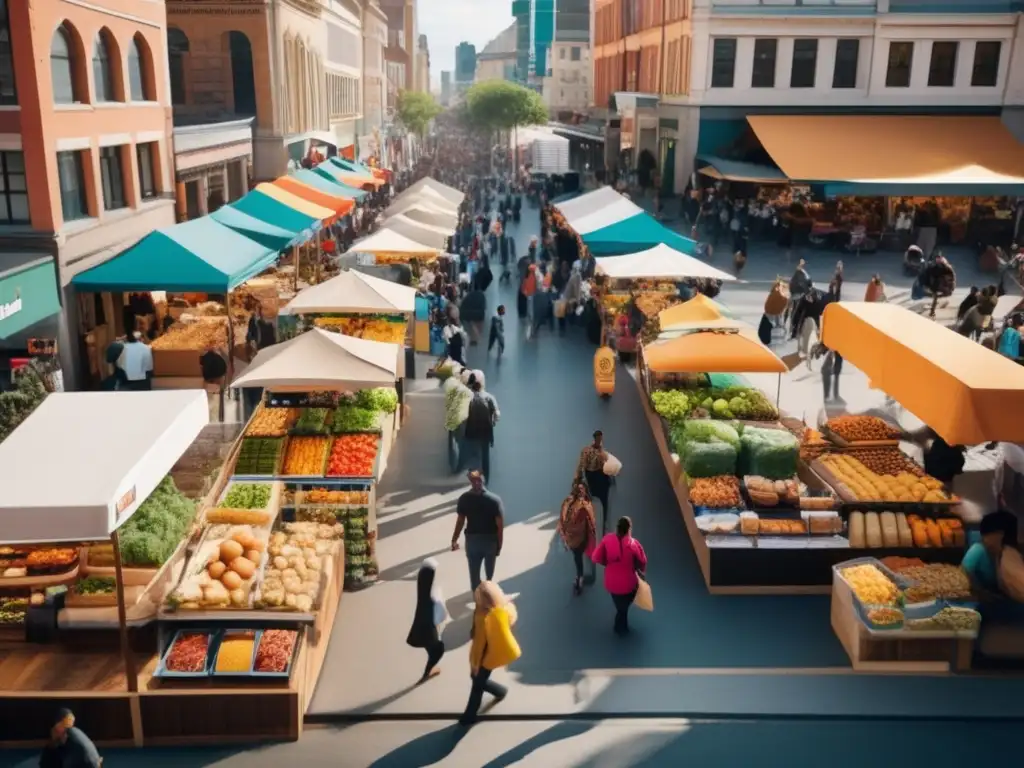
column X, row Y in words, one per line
column 728, row 351
column 698, row 309
column 353, row 291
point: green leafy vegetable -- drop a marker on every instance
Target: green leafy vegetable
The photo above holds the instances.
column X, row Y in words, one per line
column 354, row 419
column 152, row 534
column 247, row 496
column 379, row 399
column 96, row 585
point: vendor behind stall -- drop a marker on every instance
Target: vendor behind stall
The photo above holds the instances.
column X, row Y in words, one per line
column 995, row 567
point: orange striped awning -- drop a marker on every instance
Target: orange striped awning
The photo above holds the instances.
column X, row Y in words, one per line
column 340, row 205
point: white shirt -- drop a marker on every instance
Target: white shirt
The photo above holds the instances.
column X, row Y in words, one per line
column 136, row 360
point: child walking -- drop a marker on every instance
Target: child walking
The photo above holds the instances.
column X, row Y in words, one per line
column 497, row 331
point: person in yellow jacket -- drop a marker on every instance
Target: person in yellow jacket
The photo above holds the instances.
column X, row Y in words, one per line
column 493, row 646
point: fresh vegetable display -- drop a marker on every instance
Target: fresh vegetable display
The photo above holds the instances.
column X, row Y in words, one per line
column 96, row 585
column 721, row 492
column 272, row 422
column 771, row 453
column 353, row 456
column 324, row 496
column 870, row 585
column 857, row 429
column 306, row 456
column 156, row 529
column 12, row 611
column 671, row 404
column 384, row 399
column 354, row 419
column 949, row 619
column 188, row 654
column 704, row 431
column 708, row 459
column 274, row 653
column 259, row 456
column 312, row 421
column 247, row 496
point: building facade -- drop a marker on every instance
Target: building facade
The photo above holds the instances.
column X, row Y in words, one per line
column 374, row 85
column 465, row 64
column 343, row 75
column 535, row 33
column 446, row 88
column 567, row 87
column 497, row 59
column 86, row 157
column 422, row 65
column 400, row 53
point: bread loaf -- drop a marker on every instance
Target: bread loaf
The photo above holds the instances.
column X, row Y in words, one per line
column 890, row 532
column 857, row 530
column 873, row 530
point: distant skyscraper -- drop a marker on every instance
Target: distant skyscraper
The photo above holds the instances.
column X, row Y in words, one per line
column 535, row 31
column 446, row 87
column 465, row 62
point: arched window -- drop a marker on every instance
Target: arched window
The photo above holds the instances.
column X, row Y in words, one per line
column 177, row 48
column 138, row 65
column 102, row 71
column 62, row 67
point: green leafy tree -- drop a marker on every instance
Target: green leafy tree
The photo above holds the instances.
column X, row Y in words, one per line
column 499, row 105
column 415, row 110
column 18, row 404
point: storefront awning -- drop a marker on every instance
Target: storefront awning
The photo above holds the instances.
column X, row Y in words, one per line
column 331, row 172
column 733, row 170
column 968, row 394
column 199, row 255
column 633, row 234
column 905, row 153
column 28, row 294
column 256, row 229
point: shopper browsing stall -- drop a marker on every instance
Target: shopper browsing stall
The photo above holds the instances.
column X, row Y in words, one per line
column 136, row 362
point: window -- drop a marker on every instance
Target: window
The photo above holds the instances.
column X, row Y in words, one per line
column 942, row 69
column 71, row 177
column 805, row 63
column 136, row 72
column 574, row 53
column 62, row 67
column 13, row 191
column 177, row 48
column 985, row 72
column 901, row 58
column 145, row 155
column 561, row 53
column 847, row 54
column 8, row 92
column 112, row 178
column 764, row 63
column 723, row 62
column 102, row 72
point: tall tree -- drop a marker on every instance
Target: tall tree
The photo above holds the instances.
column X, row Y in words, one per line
column 500, row 105
column 415, row 110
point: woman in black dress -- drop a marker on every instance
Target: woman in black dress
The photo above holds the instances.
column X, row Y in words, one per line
column 430, row 614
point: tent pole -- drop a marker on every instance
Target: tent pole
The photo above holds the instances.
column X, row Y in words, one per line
column 231, row 358
column 122, row 620
column 316, row 278
column 778, row 393
column 295, row 262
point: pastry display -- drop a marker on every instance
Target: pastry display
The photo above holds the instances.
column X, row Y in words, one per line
column 772, row 527
column 720, row 492
column 764, row 492
column 886, row 616
column 293, row 576
column 870, row 585
column 859, row 429
column 866, row 485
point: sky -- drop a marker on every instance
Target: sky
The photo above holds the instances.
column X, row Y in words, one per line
column 446, row 23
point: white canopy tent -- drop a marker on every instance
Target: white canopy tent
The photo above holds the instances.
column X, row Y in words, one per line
column 353, row 291
column 435, row 237
column 452, row 195
column 428, row 200
column 322, row 360
column 79, row 467
column 659, row 262
column 391, row 241
column 434, row 218
column 613, row 213
column 587, row 203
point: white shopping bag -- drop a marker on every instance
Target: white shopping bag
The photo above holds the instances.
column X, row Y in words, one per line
column 612, row 466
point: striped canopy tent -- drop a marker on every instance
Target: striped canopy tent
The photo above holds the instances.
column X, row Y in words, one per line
column 355, row 178
column 328, row 186
column 331, row 172
column 256, row 229
column 357, row 167
column 589, row 203
column 435, row 237
column 610, row 233
column 333, row 201
column 279, row 207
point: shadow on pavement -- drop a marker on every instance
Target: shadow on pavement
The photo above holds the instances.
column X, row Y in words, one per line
column 426, row 750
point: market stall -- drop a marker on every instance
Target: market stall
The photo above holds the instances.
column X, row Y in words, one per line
column 422, row 213
column 427, row 234
column 433, row 188
column 355, row 178
column 390, row 247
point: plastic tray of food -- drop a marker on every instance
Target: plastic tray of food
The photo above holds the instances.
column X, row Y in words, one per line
column 839, row 568
column 881, row 618
column 163, row 670
column 279, row 638
column 224, row 662
column 719, row 523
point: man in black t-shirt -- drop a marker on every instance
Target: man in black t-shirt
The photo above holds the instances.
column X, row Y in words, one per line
column 481, row 513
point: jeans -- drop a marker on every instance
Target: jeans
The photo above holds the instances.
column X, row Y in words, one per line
column 476, row 454
column 434, row 654
column 599, row 485
column 455, row 448
column 622, row 603
column 482, row 684
column 481, row 549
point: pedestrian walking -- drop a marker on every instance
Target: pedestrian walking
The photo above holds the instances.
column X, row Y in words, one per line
column 591, row 469
column 831, row 367
column 497, row 335
column 624, row 562
column 577, row 527
column 479, row 433
column 480, row 513
column 493, row 646
column 428, row 618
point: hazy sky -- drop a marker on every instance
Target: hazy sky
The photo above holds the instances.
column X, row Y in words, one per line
column 446, row 23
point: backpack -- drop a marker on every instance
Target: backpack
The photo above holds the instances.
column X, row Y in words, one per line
column 479, row 425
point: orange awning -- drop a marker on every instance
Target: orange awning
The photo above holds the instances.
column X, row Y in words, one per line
column 340, row 205
column 966, row 393
column 699, row 308
column 307, row 207
column 359, row 180
column 881, row 148
column 712, row 351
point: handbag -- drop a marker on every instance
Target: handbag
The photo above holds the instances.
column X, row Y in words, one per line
column 612, row 466
column 644, row 598
column 560, row 307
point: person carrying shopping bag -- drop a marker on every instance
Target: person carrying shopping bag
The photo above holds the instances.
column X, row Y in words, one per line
column 493, row 646
column 577, row 526
column 428, row 618
column 624, row 562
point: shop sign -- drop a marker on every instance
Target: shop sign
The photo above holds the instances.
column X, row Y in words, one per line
column 42, row 347
column 124, row 503
column 11, row 308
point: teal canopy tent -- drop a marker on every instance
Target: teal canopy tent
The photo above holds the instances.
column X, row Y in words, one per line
column 351, row 165
column 199, row 255
column 635, row 234
column 326, row 172
column 266, row 208
column 256, row 229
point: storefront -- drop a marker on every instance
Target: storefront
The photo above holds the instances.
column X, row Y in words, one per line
column 29, row 312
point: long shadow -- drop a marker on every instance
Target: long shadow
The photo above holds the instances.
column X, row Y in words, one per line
column 426, row 750
column 567, row 729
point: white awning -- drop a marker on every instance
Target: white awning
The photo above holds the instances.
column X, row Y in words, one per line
column 83, row 462
column 605, row 199
column 435, row 237
column 658, row 263
column 433, row 218
column 390, row 241
column 322, row 360
column 610, row 214
column 432, row 186
column 353, row 291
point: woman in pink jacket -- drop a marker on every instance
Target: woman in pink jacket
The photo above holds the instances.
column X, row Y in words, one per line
column 624, row 561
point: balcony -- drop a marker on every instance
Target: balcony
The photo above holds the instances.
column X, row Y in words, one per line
column 396, row 38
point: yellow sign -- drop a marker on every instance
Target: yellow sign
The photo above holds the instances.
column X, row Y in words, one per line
column 604, row 371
